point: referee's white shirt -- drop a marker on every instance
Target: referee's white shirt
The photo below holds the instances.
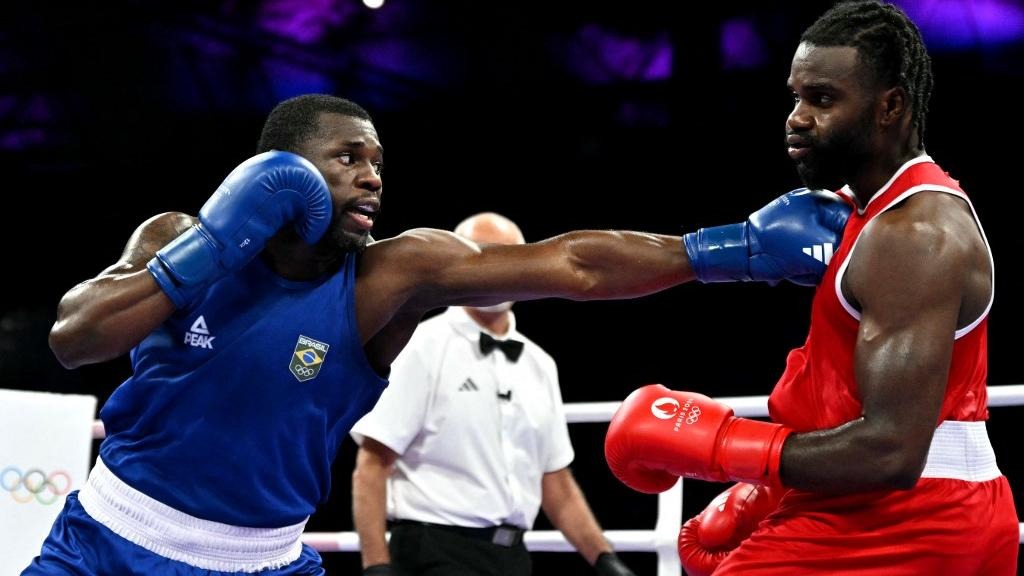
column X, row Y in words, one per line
column 466, row 456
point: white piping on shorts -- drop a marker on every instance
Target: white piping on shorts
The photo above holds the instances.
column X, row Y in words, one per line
column 176, row 535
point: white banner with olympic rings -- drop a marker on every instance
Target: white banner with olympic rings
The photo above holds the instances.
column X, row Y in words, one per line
column 45, row 451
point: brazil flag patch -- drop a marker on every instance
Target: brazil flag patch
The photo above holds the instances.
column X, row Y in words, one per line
column 308, row 357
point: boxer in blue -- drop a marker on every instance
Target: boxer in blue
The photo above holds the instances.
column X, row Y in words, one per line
column 262, row 329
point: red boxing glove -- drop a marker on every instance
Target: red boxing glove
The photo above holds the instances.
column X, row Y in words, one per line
column 707, row 538
column 659, row 434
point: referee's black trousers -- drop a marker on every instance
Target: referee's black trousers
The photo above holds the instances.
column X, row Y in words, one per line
column 427, row 550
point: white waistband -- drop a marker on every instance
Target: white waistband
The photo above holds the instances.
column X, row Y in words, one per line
column 961, row 451
column 176, row 535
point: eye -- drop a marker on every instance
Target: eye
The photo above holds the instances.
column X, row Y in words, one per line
column 825, row 100
column 345, row 158
column 378, row 168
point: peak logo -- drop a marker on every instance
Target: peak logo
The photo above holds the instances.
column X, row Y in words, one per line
column 664, row 408
column 198, row 336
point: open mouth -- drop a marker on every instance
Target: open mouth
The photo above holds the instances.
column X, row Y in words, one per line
column 362, row 214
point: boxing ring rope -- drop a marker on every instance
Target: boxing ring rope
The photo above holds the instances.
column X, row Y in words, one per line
column 662, row 539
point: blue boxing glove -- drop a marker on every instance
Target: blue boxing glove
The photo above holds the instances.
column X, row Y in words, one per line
column 257, row 199
column 792, row 238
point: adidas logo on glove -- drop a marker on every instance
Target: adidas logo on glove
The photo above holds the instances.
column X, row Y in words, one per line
column 820, row 252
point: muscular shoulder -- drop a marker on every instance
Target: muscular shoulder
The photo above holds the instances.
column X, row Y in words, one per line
column 413, row 257
column 927, row 224
column 163, row 227
column 927, row 240
column 152, row 235
column 419, row 247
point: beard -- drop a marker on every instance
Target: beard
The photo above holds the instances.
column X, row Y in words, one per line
column 343, row 240
column 835, row 158
column 337, row 242
column 346, row 241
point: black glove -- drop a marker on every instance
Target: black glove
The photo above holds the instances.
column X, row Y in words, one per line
column 608, row 564
column 385, row 570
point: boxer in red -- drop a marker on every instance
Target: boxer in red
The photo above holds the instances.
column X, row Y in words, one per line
column 878, row 438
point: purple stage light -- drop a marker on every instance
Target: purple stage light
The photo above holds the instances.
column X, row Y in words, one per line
column 287, row 80
column 304, row 21
column 957, row 24
column 598, row 56
column 741, row 46
column 23, row 139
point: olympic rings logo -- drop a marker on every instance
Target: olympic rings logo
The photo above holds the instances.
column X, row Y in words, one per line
column 35, row 484
column 694, row 415
column 304, row 371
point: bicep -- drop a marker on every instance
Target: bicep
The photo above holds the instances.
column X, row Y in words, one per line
column 910, row 300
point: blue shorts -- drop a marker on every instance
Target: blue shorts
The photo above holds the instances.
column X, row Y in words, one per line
column 79, row 545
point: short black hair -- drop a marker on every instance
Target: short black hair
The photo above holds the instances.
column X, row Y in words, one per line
column 295, row 120
column 888, row 42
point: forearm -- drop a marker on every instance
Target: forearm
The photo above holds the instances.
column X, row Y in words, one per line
column 105, row 317
column 834, row 460
column 619, row 264
column 566, row 508
column 369, row 513
column 577, row 524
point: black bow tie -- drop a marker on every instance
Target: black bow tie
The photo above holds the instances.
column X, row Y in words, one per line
column 512, row 348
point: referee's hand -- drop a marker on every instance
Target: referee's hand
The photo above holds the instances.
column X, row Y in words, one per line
column 608, row 564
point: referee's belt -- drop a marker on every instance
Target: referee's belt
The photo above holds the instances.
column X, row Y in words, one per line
column 503, row 535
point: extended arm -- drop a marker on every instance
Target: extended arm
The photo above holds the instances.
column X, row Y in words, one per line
column 106, row 316
column 438, row 268
column 374, row 462
column 770, row 246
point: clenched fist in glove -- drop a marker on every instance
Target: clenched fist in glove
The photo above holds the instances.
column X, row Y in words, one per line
column 792, row 238
column 659, row 434
column 257, row 199
column 707, row 538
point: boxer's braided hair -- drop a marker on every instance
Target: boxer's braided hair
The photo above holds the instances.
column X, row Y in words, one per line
column 887, row 41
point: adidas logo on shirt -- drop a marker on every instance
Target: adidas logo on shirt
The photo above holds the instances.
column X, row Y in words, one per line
column 820, row 252
column 468, row 386
column 199, row 335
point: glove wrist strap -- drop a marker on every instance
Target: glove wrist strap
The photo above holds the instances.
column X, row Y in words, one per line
column 184, row 267
column 719, row 253
column 751, row 451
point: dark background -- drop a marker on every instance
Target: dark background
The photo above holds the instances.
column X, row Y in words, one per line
column 565, row 115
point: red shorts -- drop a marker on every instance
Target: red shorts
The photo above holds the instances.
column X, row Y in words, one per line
column 942, row 526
